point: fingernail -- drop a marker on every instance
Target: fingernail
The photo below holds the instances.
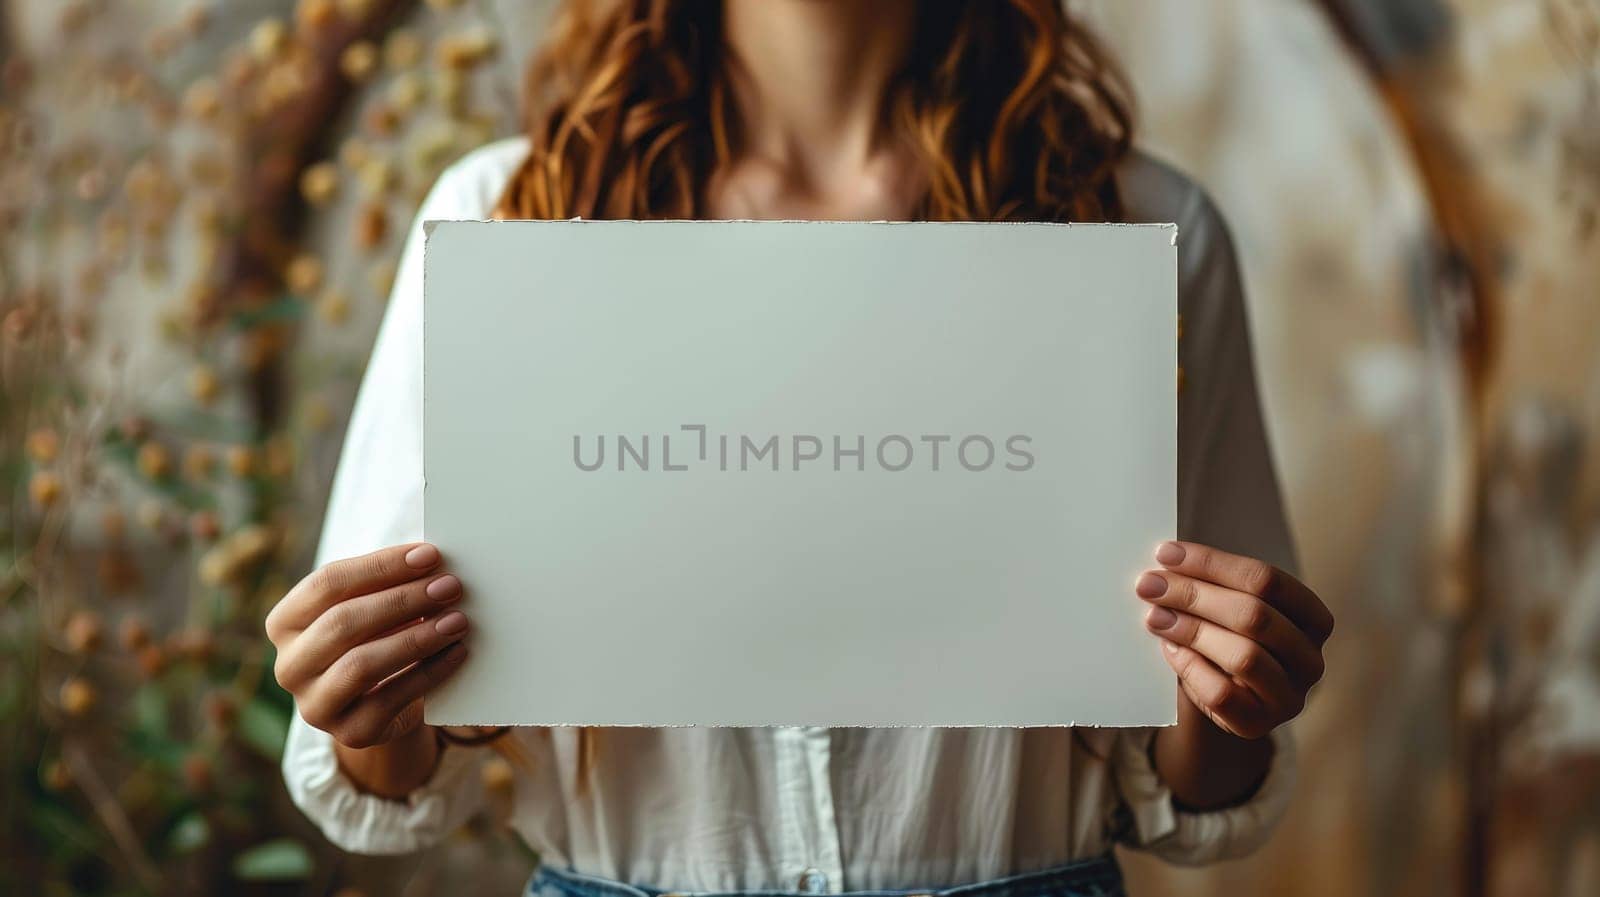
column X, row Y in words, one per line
column 1168, row 647
column 453, row 623
column 444, row 588
column 1170, row 553
column 422, row 557
column 1161, row 618
column 1151, row 585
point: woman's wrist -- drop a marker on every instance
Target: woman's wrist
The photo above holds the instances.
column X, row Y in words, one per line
column 1205, row 767
column 395, row 769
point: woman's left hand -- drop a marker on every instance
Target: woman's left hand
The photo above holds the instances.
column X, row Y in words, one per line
column 1244, row 637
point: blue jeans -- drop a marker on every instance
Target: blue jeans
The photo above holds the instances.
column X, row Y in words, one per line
column 1098, row 877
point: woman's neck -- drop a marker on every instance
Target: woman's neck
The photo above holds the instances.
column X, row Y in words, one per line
column 809, row 81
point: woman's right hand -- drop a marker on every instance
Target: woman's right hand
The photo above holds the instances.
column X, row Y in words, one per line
column 360, row 641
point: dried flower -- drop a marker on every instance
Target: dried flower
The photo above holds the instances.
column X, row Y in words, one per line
column 268, row 38
column 193, row 642
column 91, row 185
column 372, row 225
column 383, row 120
column 402, row 49
column 199, row 462
column 134, row 634
column 359, row 61
column 334, row 307
column 377, row 177
column 117, row 571
column 202, row 101
column 239, row 70
column 78, row 696
column 315, row 15
column 228, row 562
column 241, row 461
column 151, row 660
column 204, row 525
column 43, row 444
column 284, row 83
column 197, row 773
column 355, row 9
column 220, row 709
column 319, row 183
column 197, row 19
column 354, row 152
column 304, row 274
column 134, row 428
column 154, row 460
column 433, row 146
column 407, row 91
column 44, row 488
column 56, row 776
column 203, row 384
column 84, row 631
column 151, row 514
column 466, row 49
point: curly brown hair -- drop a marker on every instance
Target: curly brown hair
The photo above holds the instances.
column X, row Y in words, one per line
column 1013, row 108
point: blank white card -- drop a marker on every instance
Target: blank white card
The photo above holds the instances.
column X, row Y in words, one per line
column 789, row 473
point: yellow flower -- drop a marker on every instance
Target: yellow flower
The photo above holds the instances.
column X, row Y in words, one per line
column 267, row 38
column 84, row 631
column 241, row 460
column 154, row 461
column 78, row 696
column 304, row 274
column 359, row 61
column 203, row 384
column 44, row 488
column 319, row 183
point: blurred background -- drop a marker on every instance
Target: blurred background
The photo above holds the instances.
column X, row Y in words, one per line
column 200, row 207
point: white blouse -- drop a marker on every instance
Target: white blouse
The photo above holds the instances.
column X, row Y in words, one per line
column 846, row 809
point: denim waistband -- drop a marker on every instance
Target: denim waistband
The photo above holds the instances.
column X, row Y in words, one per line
column 1096, row 877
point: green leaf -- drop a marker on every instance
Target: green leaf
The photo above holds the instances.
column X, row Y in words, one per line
column 278, row 860
column 264, row 727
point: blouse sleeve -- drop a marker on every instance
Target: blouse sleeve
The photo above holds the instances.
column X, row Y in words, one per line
column 376, row 501
column 1228, row 497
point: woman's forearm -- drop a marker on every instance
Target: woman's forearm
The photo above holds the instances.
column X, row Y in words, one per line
column 1205, row 767
column 393, row 769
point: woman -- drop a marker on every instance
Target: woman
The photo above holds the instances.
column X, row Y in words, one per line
column 826, row 109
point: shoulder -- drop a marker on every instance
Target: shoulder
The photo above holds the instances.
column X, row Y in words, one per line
column 1154, row 191
column 470, row 186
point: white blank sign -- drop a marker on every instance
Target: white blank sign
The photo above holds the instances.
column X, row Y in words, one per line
column 790, row 473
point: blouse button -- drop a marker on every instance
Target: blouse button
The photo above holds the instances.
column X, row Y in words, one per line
column 812, row 881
